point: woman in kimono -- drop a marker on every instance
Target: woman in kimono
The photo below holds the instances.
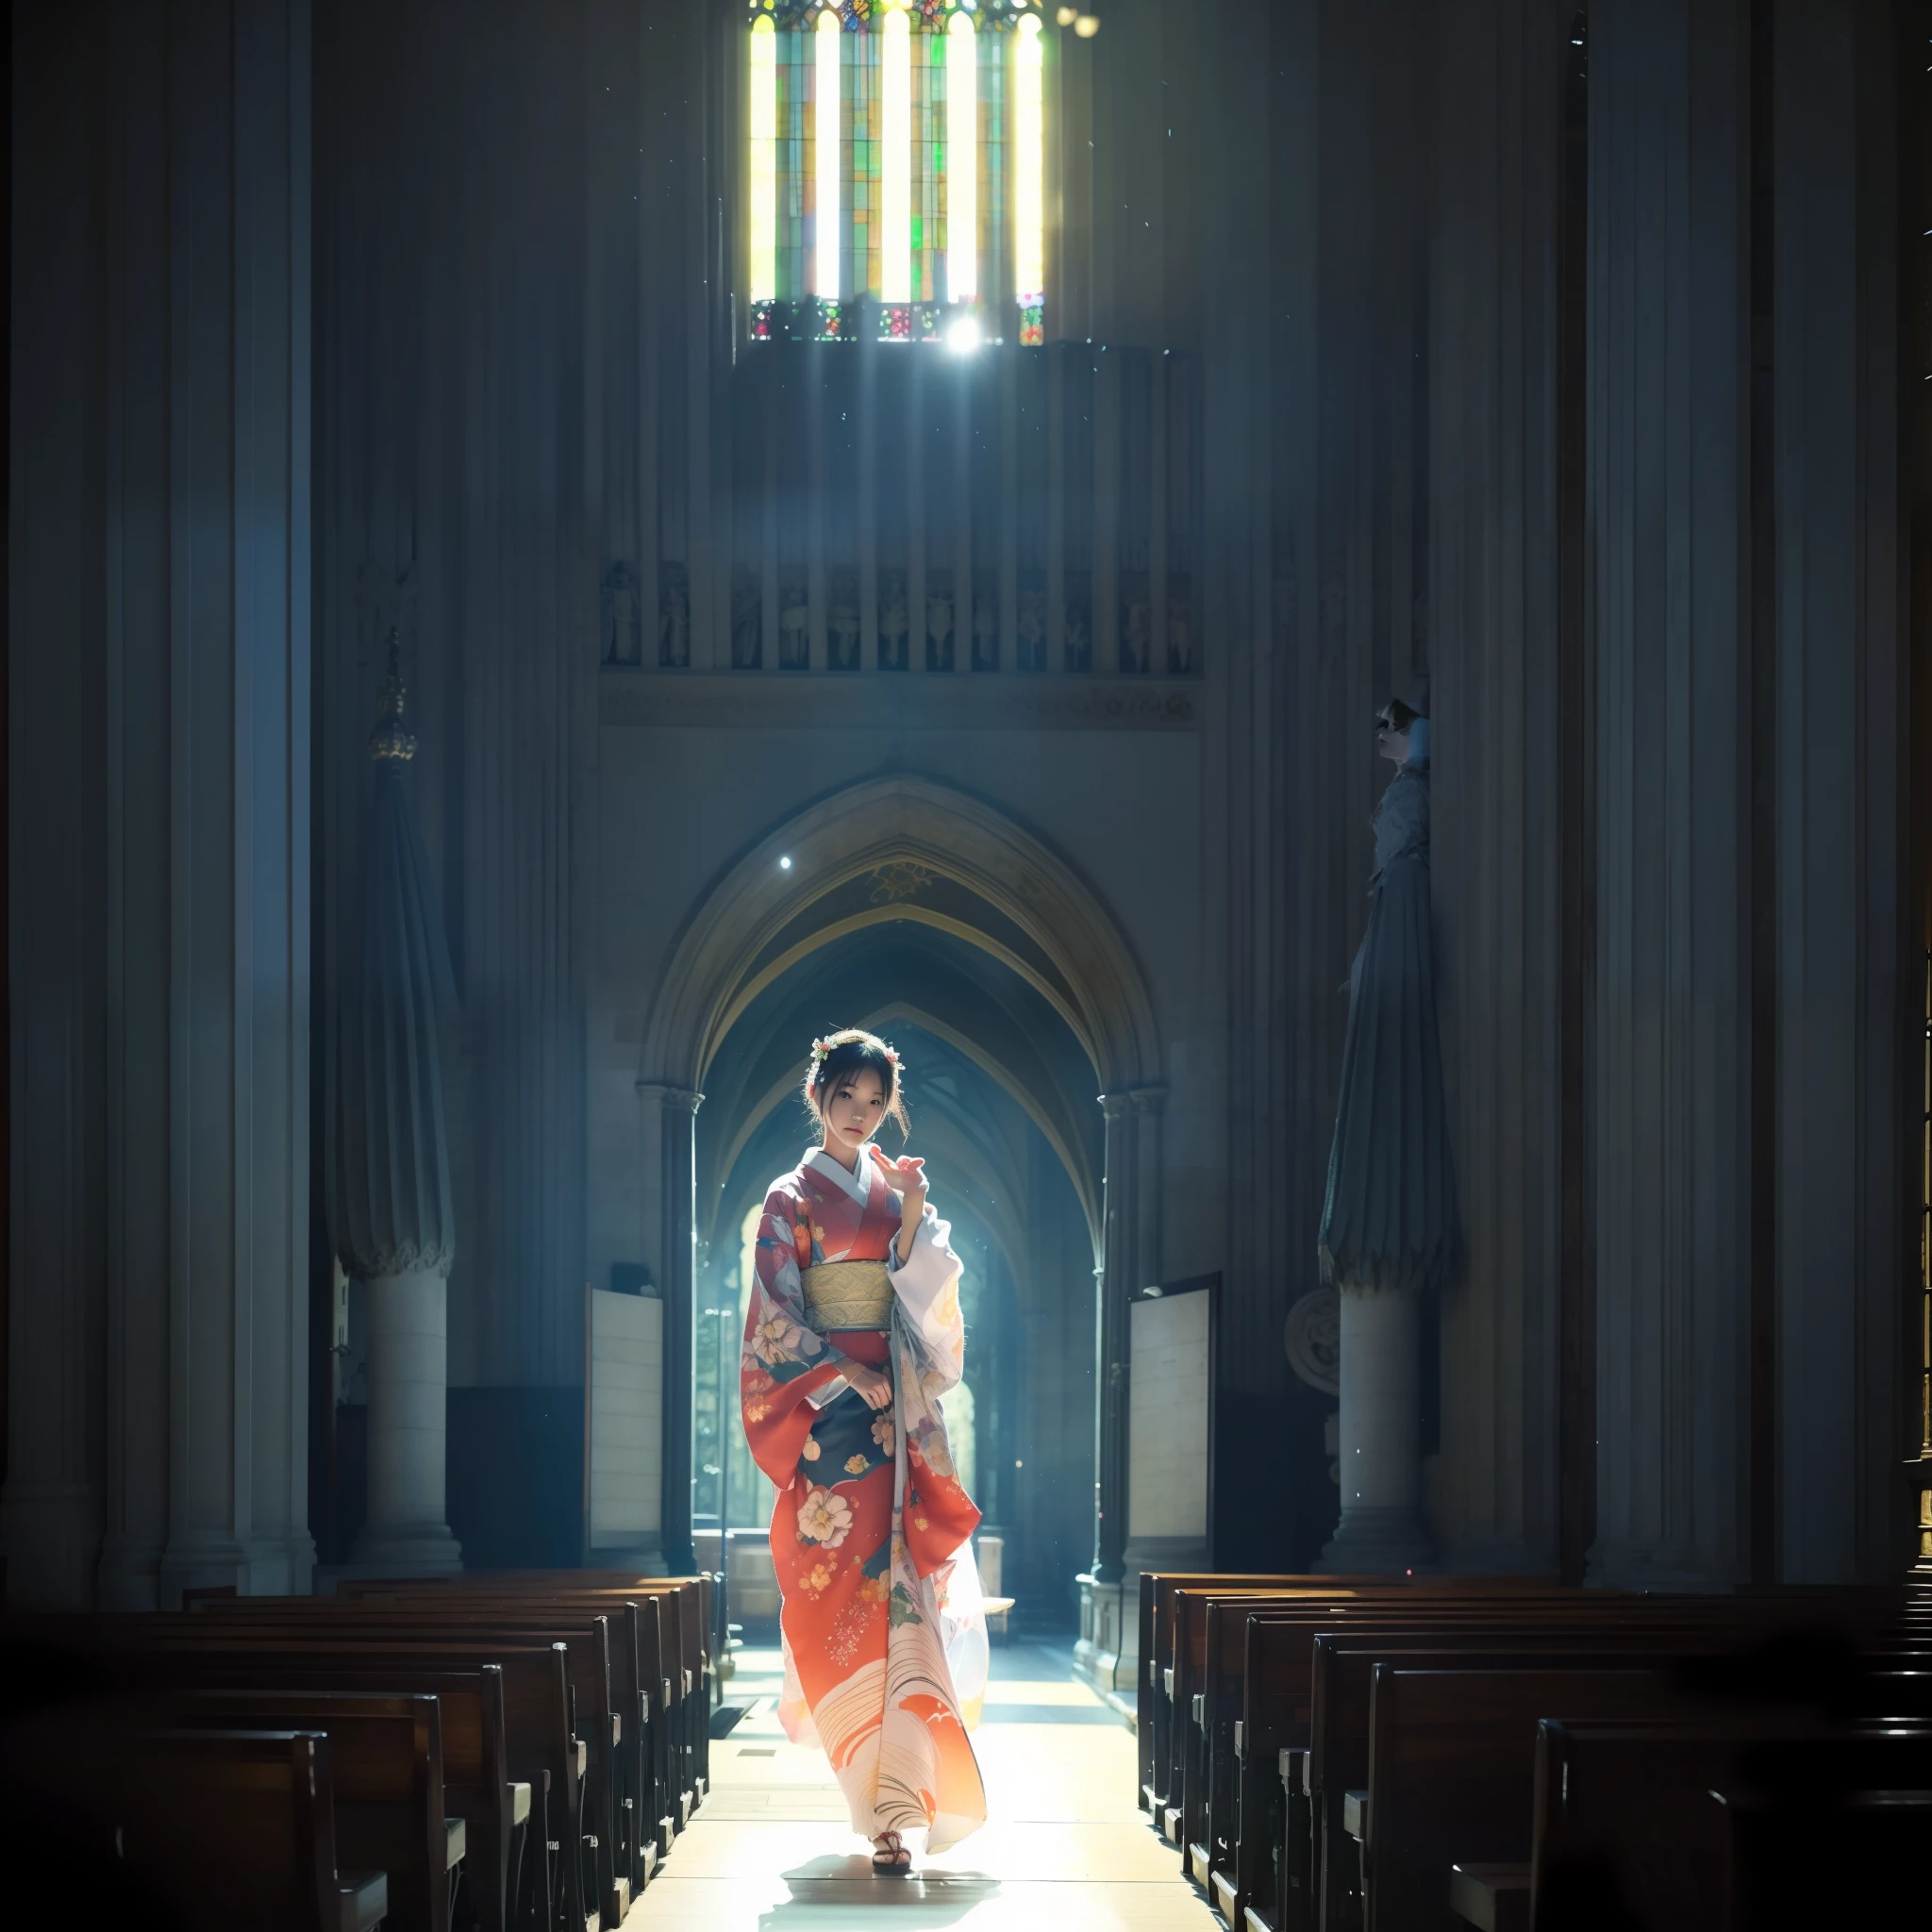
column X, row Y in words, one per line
column 853, row 1335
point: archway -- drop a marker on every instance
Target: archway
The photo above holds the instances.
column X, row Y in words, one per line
column 917, row 908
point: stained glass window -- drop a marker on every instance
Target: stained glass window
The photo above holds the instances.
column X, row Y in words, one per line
column 885, row 161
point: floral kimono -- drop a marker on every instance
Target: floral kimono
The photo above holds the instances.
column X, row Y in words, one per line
column 885, row 1641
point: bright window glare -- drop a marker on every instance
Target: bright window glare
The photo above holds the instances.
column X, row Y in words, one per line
column 962, row 338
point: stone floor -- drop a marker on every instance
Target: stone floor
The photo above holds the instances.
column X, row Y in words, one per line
column 1063, row 1846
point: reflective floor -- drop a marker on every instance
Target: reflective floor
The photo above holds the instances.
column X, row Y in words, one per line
column 1063, row 1847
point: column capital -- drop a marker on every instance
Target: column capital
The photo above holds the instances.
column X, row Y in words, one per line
column 672, row 1099
column 1123, row 1101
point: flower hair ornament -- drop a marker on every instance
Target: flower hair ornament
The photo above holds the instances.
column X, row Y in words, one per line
column 820, row 1048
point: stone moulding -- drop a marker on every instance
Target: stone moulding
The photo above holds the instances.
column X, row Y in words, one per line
column 898, row 701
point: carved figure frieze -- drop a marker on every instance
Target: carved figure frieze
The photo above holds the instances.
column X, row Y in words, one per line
column 1078, row 632
column 1029, row 641
column 895, row 623
column 985, row 620
column 673, row 615
column 622, row 617
column 1136, row 622
column 794, row 627
column 939, row 619
column 841, row 618
column 748, row 619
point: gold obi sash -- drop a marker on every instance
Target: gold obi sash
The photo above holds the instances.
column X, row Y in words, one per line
column 847, row 1294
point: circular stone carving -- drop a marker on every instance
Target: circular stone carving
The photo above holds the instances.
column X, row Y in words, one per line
column 1312, row 1338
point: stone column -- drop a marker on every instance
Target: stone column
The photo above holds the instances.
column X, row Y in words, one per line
column 670, row 1177
column 159, row 774
column 388, row 1182
column 404, row 1531
column 1667, row 529
column 1380, row 1533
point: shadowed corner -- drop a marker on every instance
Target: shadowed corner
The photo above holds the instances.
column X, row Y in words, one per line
column 822, row 1886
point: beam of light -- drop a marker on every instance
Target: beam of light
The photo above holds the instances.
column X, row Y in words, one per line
column 764, row 160
column 962, row 159
column 895, row 159
column 828, row 211
column 1029, row 163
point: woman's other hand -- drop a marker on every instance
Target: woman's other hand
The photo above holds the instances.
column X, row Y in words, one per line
column 874, row 1385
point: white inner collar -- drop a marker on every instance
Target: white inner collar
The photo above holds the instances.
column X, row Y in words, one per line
column 857, row 1183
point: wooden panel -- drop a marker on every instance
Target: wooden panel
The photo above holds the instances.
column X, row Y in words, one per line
column 1167, row 1426
column 626, row 1421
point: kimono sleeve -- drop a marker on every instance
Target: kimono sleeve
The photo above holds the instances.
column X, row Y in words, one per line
column 929, row 1333
column 784, row 1363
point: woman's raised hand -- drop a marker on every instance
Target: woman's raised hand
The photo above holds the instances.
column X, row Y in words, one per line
column 905, row 1176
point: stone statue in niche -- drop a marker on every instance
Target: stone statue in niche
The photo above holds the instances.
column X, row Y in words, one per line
column 1136, row 621
column 893, row 620
column 939, row 620
column 795, row 628
column 1390, row 1232
column 747, row 620
column 1180, row 629
column 1029, row 627
column 841, row 618
column 1079, row 622
column 673, row 615
column 624, row 617
column 986, row 621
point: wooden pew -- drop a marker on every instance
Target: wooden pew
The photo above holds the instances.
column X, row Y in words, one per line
column 1452, row 1766
column 236, row 1831
column 1208, row 1672
column 579, row 1753
column 386, row 1765
column 670, row 1765
column 690, row 1675
column 1826, row 1834
column 1341, row 1684
column 1152, row 1691
column 630, row 1801
column 1624, row 1824
column 695, row 1677
column 528, row 1810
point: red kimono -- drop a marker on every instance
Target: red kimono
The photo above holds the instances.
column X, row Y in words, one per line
column 870, row 1530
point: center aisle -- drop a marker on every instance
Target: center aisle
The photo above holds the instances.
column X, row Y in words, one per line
column 1063, row 1846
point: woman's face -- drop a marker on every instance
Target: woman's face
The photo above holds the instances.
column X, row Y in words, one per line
column 1390, row 744
column 852, row 1107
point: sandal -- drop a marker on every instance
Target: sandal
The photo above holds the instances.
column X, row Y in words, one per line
column 889, row 1857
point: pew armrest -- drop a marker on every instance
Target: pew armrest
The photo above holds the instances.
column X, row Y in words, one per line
column 1493, row 1898
column 455, row 1843
column 1293, row 1765
column 365, row 1899
column 1354, row 1813
column 520, row 1804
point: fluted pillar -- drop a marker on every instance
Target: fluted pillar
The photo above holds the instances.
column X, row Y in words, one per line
column 159, row 666
column 1667, row 538
column 669, row 1178
column 1380, row 1533
column 389, row 1181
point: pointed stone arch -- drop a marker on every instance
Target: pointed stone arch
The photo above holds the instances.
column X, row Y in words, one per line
column 725, row 951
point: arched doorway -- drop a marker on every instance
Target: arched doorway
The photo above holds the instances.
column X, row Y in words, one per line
column 918, row 910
